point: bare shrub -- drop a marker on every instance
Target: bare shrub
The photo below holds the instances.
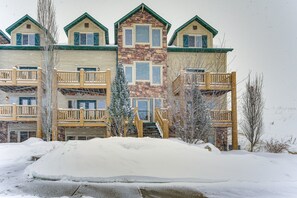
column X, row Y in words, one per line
column 276, row 146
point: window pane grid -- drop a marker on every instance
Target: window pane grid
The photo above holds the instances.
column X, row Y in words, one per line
column 142, row 34
column 142, row 71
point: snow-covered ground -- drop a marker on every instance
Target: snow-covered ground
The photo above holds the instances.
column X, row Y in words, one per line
column 147, row 163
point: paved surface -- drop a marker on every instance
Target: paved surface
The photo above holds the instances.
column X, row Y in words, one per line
column 106, row 190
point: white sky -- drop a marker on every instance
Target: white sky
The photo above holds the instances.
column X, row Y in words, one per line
column 262, row 33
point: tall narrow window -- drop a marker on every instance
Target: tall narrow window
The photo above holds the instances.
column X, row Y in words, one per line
column 128, row 74
column 128, row 37
column 156, row 78
column 142, row 34
column 90, row 39
column 158, row 103
column 156, row 37
column 83, row 39
column 142, row 71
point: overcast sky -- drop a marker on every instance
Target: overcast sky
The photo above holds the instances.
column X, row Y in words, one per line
column 263, row 34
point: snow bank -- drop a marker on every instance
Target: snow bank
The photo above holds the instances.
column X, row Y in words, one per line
column 158, row 160
column 11, row 153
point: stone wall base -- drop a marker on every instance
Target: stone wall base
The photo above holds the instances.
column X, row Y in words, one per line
column 3, row 132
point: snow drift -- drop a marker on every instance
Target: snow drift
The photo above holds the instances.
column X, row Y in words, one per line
column 157, row 160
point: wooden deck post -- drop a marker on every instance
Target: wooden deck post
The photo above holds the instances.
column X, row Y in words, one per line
column 140, row 132
column 207, row 80
column 14, row 112
column 81, row 77
column 55, row 106
column 234, row 112
column 14, row 76
column 39, row 103
column 108, row 87
column 81, row 116
column 166, row 129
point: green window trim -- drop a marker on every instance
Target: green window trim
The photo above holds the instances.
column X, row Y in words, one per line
column 96, row 38
column 76, row 38
column 19, row 39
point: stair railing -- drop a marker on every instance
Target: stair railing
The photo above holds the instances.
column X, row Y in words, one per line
column 138, row 123
column 162, row 122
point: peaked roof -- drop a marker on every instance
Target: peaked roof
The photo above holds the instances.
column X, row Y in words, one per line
column 140, row 7
column 200, row 21
column 21, row 21
column 4, row 36
column 82, row 17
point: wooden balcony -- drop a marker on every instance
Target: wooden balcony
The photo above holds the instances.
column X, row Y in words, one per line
column 83, row 79
column 221, row 118
column 220, row 82
column 27, row 113
column 11, row 79
column 81, row 117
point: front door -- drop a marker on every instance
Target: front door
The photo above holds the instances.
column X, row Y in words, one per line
column 143, row 110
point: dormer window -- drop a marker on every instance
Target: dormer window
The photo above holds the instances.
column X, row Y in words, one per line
column 199, row 41
column 28, row 39
column 86, row 38
column 195, row 41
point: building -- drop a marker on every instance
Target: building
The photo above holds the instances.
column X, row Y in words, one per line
column 155, row 69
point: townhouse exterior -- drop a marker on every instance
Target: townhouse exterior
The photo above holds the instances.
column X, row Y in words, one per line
column 156, row 69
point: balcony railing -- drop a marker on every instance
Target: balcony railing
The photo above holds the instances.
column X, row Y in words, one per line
column 83, row 79
column 81, row 117
column 19, row 77
column 205, row 81
column 221, row 117
column 18, row 112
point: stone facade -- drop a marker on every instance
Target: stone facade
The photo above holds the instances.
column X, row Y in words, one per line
column 3, row 132
column 143, row 52
column 221, row 138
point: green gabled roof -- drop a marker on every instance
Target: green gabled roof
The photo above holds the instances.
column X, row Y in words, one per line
column 4, row 36
column 140, row 7
column 21, row 21
column 82, row 17
column 200, row 21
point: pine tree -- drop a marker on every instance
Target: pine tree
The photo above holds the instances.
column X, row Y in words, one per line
column 120, row 109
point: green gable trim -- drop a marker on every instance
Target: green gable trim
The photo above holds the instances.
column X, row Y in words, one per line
column 20, row 47
column 82, row 17
column 200, row 21
column 90, row 48
column 4, row 36
column 199, row 50
column 21, row 21
column 140, row 7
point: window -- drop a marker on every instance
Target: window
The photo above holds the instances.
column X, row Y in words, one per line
column 28, row 26
column 156, row 37
column 28, row 39
column 101, row 104
column 142, row 71
column 87, row 39
column 128, row 74
column 142, row 34
column 156, row 78
column 158, row 103
column 86, row 25
column 128, row 37
column 195, row 41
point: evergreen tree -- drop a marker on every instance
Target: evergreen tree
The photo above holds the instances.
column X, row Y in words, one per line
column 120, row 110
